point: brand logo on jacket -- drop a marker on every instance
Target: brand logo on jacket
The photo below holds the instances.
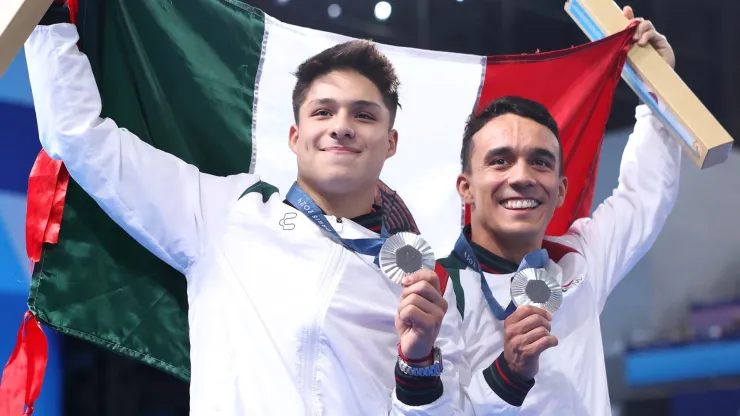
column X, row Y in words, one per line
column 287, row 221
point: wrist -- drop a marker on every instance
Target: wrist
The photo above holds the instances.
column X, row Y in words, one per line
column 507, row 384
column 416, row 390
column 425, row 363
column 416, row 367
column 417, row 362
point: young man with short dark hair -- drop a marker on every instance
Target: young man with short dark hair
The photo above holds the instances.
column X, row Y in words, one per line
column 512, row 177
column 295, row 320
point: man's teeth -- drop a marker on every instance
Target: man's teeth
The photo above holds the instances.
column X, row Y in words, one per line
column 520, row 203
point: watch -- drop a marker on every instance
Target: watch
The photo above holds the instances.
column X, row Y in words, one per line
column 434, row 370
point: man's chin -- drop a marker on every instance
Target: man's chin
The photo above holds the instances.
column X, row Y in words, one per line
column 520, row 231
column 343, row 182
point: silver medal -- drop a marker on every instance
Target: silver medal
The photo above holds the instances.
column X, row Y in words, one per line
column 538, row 288
column 403, row 254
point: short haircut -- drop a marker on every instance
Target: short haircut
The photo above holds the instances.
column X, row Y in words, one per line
column 357, row 55
column 519, row 106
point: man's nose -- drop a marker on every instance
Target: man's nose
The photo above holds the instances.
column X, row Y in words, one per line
column 521, row 175
column 342, row 130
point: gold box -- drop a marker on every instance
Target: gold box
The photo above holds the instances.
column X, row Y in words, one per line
column 17, row 20
column 704, row 140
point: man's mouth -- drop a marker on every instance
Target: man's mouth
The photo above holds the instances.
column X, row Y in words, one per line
column 520, row 203
column 340, row 149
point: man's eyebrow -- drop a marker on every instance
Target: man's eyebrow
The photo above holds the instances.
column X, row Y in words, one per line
column 357, row 103
column 542, row 152
column 498, row 151
column 508, row 151
column 323, row 101
column 366, row 103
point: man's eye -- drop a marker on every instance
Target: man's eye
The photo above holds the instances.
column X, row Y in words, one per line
column 322, row 113
column 366, row 116
column 542, row 162
column 498, row 162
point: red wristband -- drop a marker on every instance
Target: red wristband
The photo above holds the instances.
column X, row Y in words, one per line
column 416, row 361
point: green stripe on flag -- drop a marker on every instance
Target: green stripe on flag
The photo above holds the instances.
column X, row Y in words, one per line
column 182, row 76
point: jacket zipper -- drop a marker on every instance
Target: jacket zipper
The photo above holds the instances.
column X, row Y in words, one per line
column 311, row 351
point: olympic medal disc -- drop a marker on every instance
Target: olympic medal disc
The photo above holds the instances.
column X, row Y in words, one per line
column 538, row 288
column 403, row 254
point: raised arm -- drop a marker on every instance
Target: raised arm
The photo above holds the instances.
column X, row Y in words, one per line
column 167, row 205
column 625, row 225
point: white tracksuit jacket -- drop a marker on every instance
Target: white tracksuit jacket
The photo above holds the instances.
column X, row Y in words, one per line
column 282, row 321
column 588, row 261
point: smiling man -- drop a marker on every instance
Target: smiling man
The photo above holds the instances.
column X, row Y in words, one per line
column 288, row 312
column 537, row 362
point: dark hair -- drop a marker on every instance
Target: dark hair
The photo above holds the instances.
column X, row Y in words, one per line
column 357, row 55
column 507, row 105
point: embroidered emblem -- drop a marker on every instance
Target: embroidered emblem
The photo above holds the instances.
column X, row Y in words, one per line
column 573, row 283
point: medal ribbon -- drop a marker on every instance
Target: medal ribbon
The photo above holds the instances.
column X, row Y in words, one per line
column 303, row 203
column 536, row 259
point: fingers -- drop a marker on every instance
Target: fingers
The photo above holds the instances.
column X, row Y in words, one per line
column 533, row 325
column 526, row 336
column 424, row 274
column 523, row 312
column 645, row 32
column 532, row 336
column 630, row 15
column 542, row 344
column 628, row 12
column 424, row 289
column 417, row 317
column 418, row 301
column 528, row 324
column 421, row 299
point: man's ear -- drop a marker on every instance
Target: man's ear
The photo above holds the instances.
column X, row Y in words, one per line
column 562, row 190
column 293, row 138
column 463, row 188
column 392, row 143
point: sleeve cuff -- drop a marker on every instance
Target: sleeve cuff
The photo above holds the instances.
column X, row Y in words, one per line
column 58, row 12
column 507, row 385
column 417, row 391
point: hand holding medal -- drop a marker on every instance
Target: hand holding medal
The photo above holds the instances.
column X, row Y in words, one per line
column 420, row 313
column 526, row 336
column 408, row 260
column 537, row 295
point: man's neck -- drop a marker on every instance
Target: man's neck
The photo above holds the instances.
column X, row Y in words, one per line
column 513, row 251
column 341, row 205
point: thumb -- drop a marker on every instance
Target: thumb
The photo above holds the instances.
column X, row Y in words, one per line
column 628, row 12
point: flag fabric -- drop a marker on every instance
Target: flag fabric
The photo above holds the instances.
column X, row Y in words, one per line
column 210, row 81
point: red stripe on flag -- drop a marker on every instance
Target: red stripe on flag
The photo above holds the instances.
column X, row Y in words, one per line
column 24, row 372
column 577, row 87
column 47, row 188
column 73, row 6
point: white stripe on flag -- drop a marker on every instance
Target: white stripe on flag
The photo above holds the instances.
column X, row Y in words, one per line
column 438, row 92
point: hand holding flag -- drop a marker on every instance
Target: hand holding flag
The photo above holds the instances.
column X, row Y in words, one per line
column 646, row 34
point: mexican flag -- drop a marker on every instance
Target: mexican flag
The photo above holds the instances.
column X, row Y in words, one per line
column 210, row 81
